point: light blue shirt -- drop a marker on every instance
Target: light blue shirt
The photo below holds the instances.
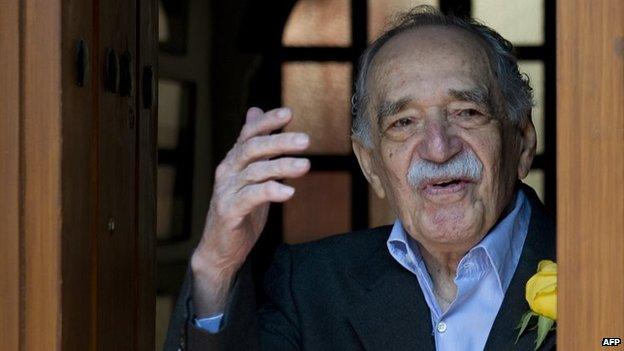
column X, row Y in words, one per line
column 211, row 324
column 482, row 278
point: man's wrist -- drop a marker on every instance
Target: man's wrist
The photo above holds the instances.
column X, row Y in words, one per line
column 211, row 286
column 205, row 261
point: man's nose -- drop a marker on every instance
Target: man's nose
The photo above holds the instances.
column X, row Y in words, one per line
column 438, row 144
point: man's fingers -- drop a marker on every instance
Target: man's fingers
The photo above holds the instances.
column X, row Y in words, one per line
column 253, row 114
column 264, row 124
column 251, row 196
column 267, row 146
column 286, row 167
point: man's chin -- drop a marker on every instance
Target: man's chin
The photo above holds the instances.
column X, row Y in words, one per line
column 452, row 229
column 451, row 214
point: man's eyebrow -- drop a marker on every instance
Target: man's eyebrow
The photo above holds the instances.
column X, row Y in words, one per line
column 478, row 95
column 389, row 108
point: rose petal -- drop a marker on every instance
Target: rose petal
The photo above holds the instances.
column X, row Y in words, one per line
column 537, row 283
column 547, row 266
column 546, row 305
column 547, row 289
column 543, row 263
column 546, row 273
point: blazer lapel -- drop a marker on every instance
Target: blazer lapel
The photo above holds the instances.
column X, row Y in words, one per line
column 392, row 313
column 539, row 245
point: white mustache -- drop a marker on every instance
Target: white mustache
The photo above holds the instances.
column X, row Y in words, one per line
column 465, row 165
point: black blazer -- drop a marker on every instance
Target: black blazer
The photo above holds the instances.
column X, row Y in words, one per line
column 347, row 293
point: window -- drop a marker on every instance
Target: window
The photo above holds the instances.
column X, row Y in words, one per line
column 534, row 39
column 175, row 159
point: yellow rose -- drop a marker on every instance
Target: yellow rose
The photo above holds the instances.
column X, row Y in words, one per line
column 541, row 290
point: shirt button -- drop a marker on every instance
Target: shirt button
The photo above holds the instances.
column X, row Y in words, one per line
column 441, row 327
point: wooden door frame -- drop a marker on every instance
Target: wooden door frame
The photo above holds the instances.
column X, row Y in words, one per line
column 590, row 168
column 30, row 180
column 49, row 177
column 10, row 176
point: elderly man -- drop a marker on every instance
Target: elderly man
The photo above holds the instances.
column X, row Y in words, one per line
column 443, row 130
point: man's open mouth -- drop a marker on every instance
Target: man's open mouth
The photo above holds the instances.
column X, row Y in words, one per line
column 445, row 185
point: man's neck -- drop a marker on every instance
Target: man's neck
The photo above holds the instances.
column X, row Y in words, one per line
column 442, row 268
column 442, row 265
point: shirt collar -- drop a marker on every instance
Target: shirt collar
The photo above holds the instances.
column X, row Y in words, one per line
column 502, row 245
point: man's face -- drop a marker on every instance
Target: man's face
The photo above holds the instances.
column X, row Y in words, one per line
column 447, row 164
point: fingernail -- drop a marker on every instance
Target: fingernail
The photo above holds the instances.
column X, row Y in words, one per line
column 301, row 163
column 283, row 112
column 286, row 190
column 302, row 140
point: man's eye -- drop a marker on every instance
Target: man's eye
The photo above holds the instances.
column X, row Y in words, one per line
column 401, row 128
column 401, row 123
column 469, row 113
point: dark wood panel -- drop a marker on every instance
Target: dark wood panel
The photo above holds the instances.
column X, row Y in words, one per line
column 147, row 55
column 79, row 173
column 590, row 184
column 117, row 226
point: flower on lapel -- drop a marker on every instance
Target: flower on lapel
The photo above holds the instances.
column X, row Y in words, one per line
column 541, row 294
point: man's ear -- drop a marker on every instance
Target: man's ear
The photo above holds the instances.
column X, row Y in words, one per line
column 527, row 149
column 367, row 163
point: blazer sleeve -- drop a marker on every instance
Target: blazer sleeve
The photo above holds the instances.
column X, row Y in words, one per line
column 244, row 327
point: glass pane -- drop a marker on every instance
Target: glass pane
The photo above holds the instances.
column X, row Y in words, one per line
column 321, row 206
column 379, row 211
column 163, row 25
column 535, row 71
column 170, row 110
column 164, row 307
column 319, row 23
column 319, row 94
column 535, row 180
column 173, row 25
column 165, row 201
column 381, row 13
column 519, row 21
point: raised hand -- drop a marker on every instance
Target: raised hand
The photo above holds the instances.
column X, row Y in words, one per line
column 245, row 184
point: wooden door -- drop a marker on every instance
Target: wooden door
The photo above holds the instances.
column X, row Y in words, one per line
column 590, row 162
column 78, row 153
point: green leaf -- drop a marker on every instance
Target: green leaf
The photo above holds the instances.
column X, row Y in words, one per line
column 543, row 327
column 524, row 321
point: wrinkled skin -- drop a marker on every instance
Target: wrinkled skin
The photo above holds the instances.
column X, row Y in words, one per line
column 421, row 69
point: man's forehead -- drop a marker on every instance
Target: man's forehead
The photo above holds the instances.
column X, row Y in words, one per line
column 427, row 49
column 429, row 38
